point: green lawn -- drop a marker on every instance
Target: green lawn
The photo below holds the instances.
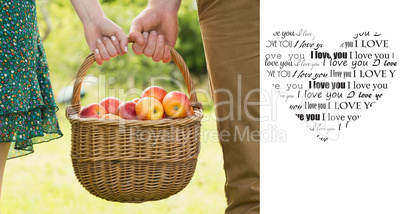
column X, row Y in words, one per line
column 44, row 182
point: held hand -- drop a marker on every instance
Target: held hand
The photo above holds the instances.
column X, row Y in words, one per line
column 153, row 30
column 105, row 39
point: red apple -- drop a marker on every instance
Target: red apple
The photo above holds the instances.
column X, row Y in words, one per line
column 92, row 111
column 177, row 105
column 126, row 110
column 136, row 100
column 149, row 108
column 154, row 92
column 110, row 117
column 110, row 104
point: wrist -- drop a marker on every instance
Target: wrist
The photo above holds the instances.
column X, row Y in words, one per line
column 96, row 20
column 89, row 11
column 166, row 5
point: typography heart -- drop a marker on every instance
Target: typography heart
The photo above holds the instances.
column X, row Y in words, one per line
column 328, row 87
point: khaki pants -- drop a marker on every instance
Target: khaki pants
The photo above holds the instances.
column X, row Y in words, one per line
column 230, row 31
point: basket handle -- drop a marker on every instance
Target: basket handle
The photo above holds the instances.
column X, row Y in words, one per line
column 177, row 59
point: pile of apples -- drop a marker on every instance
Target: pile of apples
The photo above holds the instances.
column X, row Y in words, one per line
column 154, row 104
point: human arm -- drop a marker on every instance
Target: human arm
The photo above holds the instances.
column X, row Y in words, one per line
column 160, row 19
column 105, row 38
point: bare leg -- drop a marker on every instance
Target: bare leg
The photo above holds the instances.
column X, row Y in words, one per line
column 4, row 147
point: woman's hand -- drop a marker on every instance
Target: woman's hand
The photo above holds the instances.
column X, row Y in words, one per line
column 105, row 39
column 156, row 28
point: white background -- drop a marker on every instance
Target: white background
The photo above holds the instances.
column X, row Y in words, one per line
column 361, row 172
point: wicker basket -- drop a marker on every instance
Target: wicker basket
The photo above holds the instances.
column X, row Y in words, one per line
column 132, row 160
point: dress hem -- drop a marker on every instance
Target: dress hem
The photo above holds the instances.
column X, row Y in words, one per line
column 28, row 152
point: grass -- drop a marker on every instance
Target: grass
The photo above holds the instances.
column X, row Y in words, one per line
column 44, row 182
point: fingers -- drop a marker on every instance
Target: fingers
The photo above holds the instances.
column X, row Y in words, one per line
column 139, row 49
column 98, row 57
column 92, row 41
column 107, row 48
column 116, row 44
column 122, row 38
column 151, row 44
column 159, row 49
column 110, row 48
column 105, row 39
column 104, row 55
column 135, row 34
column 136, row 37
column 167, row 57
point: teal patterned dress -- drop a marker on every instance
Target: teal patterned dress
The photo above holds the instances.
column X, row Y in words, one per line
column 27, row 106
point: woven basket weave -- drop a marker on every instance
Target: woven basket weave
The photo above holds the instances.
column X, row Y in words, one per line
column 134, row 161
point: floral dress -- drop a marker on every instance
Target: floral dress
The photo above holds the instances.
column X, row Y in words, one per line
column 27, row 106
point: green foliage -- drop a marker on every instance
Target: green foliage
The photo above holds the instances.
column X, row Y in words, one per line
column 189, row 40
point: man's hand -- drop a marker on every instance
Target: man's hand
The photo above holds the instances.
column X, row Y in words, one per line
column 156, row 28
